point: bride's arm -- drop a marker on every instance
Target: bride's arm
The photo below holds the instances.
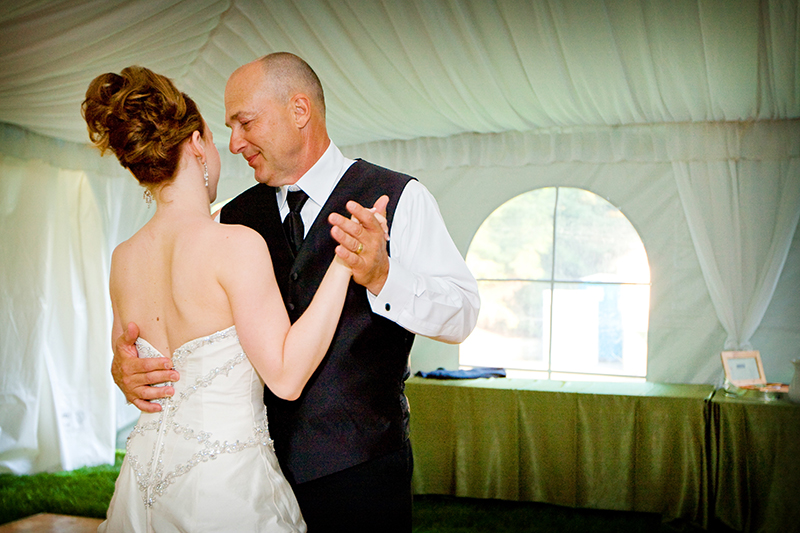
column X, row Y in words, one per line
column 284, row 355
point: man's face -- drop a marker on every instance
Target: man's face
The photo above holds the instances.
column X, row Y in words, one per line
column 263, row 129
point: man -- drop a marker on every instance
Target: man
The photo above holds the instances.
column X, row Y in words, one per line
column 344, row 444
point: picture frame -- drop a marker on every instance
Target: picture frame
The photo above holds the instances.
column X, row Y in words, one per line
column 743, row 368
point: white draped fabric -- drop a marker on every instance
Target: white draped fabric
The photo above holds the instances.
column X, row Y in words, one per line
column 682, row 113
column 742, row 236
column 55, row 397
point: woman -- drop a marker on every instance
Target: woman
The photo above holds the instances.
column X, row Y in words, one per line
column 206, row 294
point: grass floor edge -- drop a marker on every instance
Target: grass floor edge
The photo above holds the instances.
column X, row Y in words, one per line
column 87, row 492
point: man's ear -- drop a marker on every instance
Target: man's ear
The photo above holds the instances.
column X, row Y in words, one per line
column 301, row 106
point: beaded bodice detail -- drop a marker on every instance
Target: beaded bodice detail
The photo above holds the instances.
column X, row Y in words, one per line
column 201, row 421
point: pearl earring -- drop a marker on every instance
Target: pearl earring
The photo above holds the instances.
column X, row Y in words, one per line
column 148, row 197
column 205, row 172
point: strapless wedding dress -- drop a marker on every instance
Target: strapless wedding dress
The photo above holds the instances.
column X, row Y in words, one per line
column 205, row 462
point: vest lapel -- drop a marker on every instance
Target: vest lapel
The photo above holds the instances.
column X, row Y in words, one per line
column 261, row 213
column 350, row 186
column 319, row 233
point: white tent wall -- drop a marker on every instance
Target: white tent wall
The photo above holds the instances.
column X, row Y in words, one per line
column 56, row 408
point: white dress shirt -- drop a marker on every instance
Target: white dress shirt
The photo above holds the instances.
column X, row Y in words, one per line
column 429, row 290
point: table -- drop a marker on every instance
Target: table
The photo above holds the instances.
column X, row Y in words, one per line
column 755, row 458
column 621, row 446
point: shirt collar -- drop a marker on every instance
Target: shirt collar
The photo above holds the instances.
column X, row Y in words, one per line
column 319, row 181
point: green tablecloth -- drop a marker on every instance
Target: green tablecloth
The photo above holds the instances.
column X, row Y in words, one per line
column 683, row 451
column 622, row 446
column 755, row 457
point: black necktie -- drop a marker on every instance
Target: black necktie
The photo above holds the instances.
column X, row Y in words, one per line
column 293, row 223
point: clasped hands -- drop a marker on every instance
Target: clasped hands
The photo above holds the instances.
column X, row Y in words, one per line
column 361, row 245
column 362, row 242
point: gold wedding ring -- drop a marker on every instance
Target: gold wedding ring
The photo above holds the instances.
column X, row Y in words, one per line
column 359, row 249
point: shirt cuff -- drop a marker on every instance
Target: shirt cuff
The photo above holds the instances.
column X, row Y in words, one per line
column 396, row 295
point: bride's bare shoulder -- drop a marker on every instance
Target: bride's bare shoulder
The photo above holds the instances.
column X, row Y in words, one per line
column 125, row 250
column 126, row 260
column 236, row 240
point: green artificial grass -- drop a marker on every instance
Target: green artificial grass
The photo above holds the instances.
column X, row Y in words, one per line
column 87, row 492
column 82, row 492
column 469, row 515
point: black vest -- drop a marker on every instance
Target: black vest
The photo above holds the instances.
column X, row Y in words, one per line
column 353, row 408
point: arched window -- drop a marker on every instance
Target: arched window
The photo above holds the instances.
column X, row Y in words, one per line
column 565, row 289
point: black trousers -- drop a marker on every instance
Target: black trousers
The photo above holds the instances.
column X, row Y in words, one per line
column 370, row 497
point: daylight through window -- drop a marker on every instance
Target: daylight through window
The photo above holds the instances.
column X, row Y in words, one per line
column 565, row 289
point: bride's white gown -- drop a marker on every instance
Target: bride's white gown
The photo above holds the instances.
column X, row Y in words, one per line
column 204, row 462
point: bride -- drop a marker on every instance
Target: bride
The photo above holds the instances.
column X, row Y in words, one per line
column 204, row 293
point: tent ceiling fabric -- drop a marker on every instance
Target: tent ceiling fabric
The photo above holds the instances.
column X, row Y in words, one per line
column 395, row 70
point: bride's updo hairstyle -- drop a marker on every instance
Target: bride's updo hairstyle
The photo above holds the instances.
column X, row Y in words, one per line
column 143, row 118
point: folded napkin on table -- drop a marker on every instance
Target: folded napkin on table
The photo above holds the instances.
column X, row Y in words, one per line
column 477, row 372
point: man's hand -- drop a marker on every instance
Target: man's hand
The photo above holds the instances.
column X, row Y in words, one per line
column 134, row 375
column 362, row 243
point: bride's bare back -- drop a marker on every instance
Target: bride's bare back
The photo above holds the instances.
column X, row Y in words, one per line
column 183, row 276
column 166, row 279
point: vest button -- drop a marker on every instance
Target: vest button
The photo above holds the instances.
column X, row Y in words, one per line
column 290, row 306
column 388, row 307
column 294, row 276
